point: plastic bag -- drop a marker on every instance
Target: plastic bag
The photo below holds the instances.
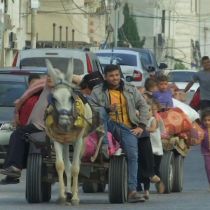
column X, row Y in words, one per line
column 190, row 112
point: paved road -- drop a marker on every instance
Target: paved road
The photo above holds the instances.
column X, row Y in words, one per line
column 195, row 195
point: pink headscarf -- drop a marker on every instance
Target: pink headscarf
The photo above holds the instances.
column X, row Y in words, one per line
column 32, row 89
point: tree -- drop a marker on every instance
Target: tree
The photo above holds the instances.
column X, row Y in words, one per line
column 179, row 65
column 128, row 33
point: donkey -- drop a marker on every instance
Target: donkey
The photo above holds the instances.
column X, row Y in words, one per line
column 63, row 132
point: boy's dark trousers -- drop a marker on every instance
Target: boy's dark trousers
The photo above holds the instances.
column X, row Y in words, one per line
column 18, row 148
column 157, row 161
column 145, row 163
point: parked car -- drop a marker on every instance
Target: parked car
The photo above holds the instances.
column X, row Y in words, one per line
column 84, row 61
column 136, row 64
column 182, row 77
column 13, row 83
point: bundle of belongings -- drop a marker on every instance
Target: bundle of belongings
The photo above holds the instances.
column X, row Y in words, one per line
column 180, row 128
column 92, row 145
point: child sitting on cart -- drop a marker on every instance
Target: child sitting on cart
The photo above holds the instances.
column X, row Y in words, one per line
column 164, row 94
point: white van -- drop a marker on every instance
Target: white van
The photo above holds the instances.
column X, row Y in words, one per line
column 84, row 61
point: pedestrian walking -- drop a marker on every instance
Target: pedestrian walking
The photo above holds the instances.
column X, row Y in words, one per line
column 203, row 77
column 205, row 145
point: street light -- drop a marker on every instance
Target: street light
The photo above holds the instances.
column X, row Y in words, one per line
column 116, row 25
column 34, row 6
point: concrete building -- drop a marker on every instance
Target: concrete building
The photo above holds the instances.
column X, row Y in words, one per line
column 172, row 27
column 158, row 31
column 169, row 26
column 14, row 29
column 204, row 26
column 76, row 23
column 186, row 23
column 97, row 21
column 63, row 14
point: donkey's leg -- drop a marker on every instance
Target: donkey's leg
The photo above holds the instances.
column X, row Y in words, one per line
column 60, row 170
column 67, row 164
column 75, row 170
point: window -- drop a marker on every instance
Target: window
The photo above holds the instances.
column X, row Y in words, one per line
column 59, row 63
column 182, row 76
column 117, row 58
column 9, row 92
column 145, row 60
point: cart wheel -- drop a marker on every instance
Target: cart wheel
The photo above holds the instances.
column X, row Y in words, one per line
column 178, row 173
column 36, row 190
column 101, row 187
column 90, row 187
column 118, row 181
column 167, row 170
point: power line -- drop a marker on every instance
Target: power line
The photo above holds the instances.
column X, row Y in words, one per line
column 67, row 14
column 65, row 10
column 173, row 18
column 61, row 1
column 70, row 9
column 78, row 7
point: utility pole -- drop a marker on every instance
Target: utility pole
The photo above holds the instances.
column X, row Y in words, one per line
column 53, row 44
column 194, row 54
column 33, row 28
column 206, row 30
column 34, row 7
column 163, row 21
column 116, row 22
column 72, row 32
column 60, row 32
column 67, row 37
column 2, row 43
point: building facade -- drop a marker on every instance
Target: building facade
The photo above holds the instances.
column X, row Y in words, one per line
column 204, row 26
column 97, row 21
column 13, row 29
column 65, row 23
column 176, row 30
column 171, row 28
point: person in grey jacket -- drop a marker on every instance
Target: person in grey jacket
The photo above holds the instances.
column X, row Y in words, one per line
column 117, row 103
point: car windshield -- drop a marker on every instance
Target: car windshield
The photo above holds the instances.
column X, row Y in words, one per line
column 59, row 63
column 145, row 58
column 9, row 92
column 117, row 58
column 182, row 76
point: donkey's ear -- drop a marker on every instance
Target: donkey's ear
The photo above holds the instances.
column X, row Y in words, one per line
column 51, row 70
column 70, row 70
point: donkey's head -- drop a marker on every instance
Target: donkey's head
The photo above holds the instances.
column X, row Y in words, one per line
column 61, row 97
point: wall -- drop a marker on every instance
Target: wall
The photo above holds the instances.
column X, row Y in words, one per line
column 62, row 15
column 204, row 27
